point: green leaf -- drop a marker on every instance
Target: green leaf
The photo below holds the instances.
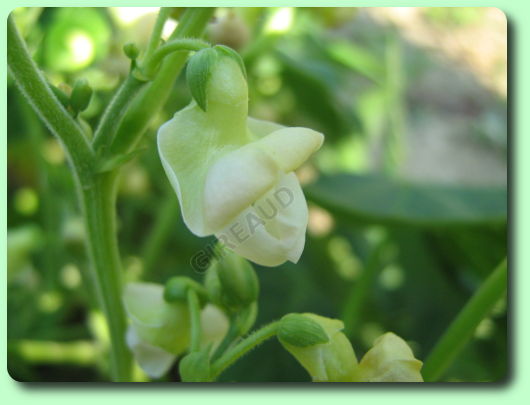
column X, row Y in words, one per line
column 198, row 73
column 376, row 199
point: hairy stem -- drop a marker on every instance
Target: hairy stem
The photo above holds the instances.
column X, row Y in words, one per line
column 462, row 328
column 243, row 347
column 38, row 93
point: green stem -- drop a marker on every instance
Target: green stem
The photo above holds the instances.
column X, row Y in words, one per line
column 33, row 86
column 156, row 34
column 462, row 328
column 153, row 96
column 195, row 321
column 231, row 334
column 185, row 44
column 243, row 347
column 98, row 203
column 115, row 111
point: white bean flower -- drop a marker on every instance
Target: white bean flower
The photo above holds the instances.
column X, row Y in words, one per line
column 234, row 175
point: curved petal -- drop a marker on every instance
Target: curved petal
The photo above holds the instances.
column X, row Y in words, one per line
column 235, row 182
column 271, row 231
column 188, row 145
column 261, row 128
column 290, row 147
column 214, row 325
column 153, row 360
column 389, row 360
column 155, row 321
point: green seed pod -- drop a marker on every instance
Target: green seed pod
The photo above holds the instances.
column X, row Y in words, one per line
column 131, row 50
column 81, row 94
column 232, row 282
column 301, row 331
column 195, row 367
column 176, row 289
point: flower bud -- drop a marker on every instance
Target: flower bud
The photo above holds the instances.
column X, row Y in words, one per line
column 195, row 367
column 389, row 360
column 301, row 331
column 81, row 95
column 333, row 360
column 232, row 282
column 131, row 50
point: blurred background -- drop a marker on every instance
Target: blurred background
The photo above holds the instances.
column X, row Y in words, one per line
column 408, row 200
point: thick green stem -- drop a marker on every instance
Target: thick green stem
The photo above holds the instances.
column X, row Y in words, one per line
column 243, row 347
column 98, row 203
column 152, row 98
column 462, row 328
column 38, row 93
column 195, row 320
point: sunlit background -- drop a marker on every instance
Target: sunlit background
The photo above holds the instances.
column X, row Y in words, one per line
column 407, row 196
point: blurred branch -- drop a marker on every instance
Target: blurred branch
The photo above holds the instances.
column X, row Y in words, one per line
column 462, row 328
column 160, row 231
column 152, row 98
column 34, row 87
column 156, row 34
column 356, row 299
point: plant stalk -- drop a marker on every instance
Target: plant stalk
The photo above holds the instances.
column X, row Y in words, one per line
column 464, row 325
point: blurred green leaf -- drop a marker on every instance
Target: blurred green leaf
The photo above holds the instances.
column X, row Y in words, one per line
column 377, row 199
column 75, row 38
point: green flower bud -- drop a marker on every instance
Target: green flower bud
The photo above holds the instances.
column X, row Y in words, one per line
column 232, row 282
column 332, row 361
column 131, row 50
column 176, row 289
column 81, row 95
column 301, row 331
column 195, row 367
column 205, row 87
column 389, row 360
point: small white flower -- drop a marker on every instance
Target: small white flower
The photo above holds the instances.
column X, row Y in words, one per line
column 234, row 175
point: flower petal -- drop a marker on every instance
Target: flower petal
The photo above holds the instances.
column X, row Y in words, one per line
column 333, row 361
column 290, row 147
column 235, row 182
column 153, row 360
column 272, row 231
column 389, row 360
column 156, row 321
